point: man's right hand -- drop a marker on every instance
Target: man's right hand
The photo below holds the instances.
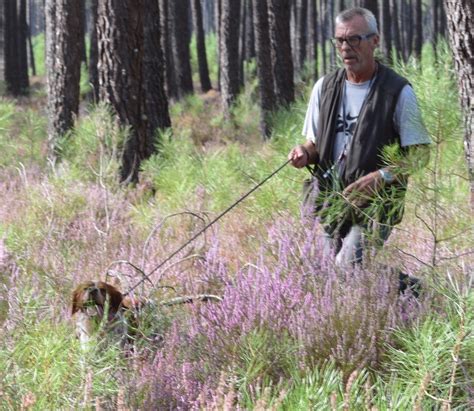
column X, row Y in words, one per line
column 299, row 156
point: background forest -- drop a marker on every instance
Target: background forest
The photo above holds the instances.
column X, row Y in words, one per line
column 126, row 126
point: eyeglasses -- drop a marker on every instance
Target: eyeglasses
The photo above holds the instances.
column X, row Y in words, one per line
column 353, row 41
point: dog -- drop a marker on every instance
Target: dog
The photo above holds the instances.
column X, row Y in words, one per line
column 99, row 307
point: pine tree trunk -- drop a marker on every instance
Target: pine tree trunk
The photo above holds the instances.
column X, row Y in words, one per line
column 93, row 53
column 279, row 17
column 242, row 14
column 201, row 46
column 23, row 47
column 460, row 15
column 249, row 32
column 372, row 5
column 397, row 42
column 418, row 29
column 408, row 24
column 264, row 65
column 31, row 55
column 312, row 37
column 229, row 53
column 386, row 21
column 218, row 14
column 64, row 33
column 301, row 25
column 178, row 13
column 2, row 41
column 323, row 33
column 12, row 70
column 156, row 113
column 131, row 75
column 166, row 46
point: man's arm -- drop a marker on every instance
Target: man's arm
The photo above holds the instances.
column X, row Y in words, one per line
column 416, row 158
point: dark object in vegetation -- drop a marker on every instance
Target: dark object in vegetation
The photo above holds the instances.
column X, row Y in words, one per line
column 406, row 282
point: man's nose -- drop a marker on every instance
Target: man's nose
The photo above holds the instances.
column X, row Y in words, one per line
column 345, row 45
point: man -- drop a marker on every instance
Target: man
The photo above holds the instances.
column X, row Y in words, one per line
column 354, row 114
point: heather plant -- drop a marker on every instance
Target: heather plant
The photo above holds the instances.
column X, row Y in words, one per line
column 287, row 313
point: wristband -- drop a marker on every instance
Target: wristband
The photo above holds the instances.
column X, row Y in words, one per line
column 387, row 176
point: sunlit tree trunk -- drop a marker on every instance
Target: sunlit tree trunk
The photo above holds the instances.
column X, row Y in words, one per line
column 460, row 15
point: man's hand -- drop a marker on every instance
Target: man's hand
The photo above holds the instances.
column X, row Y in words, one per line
column 302, row 154
column 361, row 190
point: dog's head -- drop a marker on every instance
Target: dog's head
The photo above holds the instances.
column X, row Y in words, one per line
column 91, row 297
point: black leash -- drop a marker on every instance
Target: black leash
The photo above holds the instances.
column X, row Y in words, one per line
column 147, row 276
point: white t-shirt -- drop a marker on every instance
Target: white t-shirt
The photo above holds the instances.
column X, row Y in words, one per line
column 406, row 119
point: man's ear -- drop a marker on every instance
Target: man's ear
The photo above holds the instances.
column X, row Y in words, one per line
column 376, row 41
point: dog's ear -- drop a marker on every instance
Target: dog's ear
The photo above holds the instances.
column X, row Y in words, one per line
column 115, row 296
column 76, row 298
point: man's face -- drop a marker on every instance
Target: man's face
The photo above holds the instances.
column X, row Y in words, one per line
column 357, row 59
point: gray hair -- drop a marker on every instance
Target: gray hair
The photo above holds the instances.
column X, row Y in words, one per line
column 346, row 15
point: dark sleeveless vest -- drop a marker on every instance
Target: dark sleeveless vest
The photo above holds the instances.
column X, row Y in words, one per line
column 374, row 130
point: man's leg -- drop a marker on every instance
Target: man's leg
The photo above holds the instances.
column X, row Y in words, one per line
column 351, row 249
column 357, row 240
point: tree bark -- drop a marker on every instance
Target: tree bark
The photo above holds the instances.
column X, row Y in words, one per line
column 166, row 46
column 64, row 35
column 397, row 42
column 31, row 55
column 93, row 53
column 418, row 29
column 11, row 62
column 460, row 15
column 229, row 53
column 249, row 32
column 279, row 17
column 312, row 45
column 372, row 5
column 323, row 29
column 201, row 46
column 2, row 41
column 155, row 105
column 264, row 65
column 178, row 12
column 23, row 47
column 386, row 29
column 301, row 8
column 131, row 75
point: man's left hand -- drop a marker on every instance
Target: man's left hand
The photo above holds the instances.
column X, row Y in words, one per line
column 360, row 191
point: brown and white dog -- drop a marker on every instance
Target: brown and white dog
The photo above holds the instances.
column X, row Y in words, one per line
column 97, row 306
column 100, row 307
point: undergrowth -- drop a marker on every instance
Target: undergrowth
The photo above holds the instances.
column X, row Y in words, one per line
column 292, row 332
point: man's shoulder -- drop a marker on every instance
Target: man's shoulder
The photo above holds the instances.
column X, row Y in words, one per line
column 391, row 80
